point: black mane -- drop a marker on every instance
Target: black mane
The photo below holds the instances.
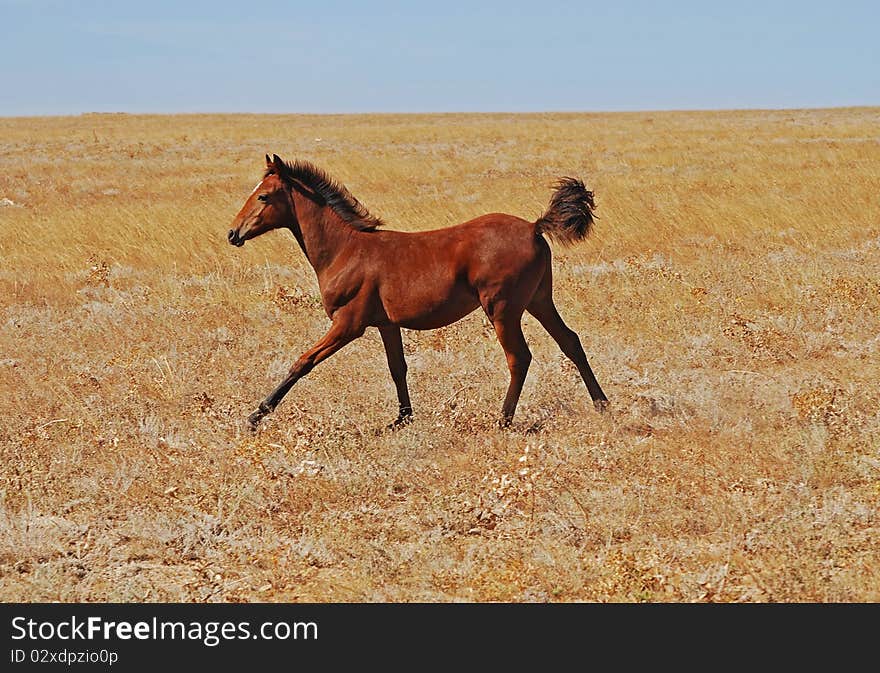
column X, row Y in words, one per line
column 329, row 192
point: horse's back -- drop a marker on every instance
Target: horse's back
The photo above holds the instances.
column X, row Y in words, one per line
column 492, row 226
column 488, row 239
column 482, row 238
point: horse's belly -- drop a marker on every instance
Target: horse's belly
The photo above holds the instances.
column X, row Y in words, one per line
column 439, row 318
column 420, row 308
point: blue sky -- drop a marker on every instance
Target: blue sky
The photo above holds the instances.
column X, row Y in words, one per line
column 342, row 56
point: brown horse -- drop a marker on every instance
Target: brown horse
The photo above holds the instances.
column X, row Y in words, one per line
column 371, row 277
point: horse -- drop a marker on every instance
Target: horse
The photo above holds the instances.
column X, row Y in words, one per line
column 373, row 277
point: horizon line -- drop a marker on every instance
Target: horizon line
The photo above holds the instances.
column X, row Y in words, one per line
column 110, row 113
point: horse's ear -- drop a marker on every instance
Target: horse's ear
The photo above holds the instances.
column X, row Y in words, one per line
column 268, row 162
column 278, row 164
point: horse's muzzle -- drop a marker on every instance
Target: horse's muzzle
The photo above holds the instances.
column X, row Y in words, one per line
column 234, row 238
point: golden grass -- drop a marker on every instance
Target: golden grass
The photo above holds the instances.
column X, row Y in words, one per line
column 728, row 302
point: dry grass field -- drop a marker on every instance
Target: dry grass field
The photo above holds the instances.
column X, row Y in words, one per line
column 729, row 302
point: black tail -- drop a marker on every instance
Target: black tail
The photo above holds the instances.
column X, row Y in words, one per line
column 569, row 218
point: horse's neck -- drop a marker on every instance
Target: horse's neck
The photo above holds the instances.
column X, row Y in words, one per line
column 322, row 235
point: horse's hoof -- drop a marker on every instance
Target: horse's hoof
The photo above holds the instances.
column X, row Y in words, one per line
column 398, row 424
column 253, row 421
column 601, row 405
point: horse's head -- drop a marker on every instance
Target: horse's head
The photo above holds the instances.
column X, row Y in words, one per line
column 268, row 207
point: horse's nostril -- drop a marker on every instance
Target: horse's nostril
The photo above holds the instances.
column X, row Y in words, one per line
column 231, row 235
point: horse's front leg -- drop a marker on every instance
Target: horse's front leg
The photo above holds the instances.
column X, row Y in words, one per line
column 397, row 364
column 342, row 332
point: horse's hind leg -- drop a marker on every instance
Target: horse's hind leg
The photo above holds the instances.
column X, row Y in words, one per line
column 544, row 310
column 397, row 364
column 510, row 335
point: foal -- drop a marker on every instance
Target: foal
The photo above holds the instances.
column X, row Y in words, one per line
column 371, row 277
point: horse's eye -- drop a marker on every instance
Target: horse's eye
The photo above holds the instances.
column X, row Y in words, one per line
column 263, row 198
